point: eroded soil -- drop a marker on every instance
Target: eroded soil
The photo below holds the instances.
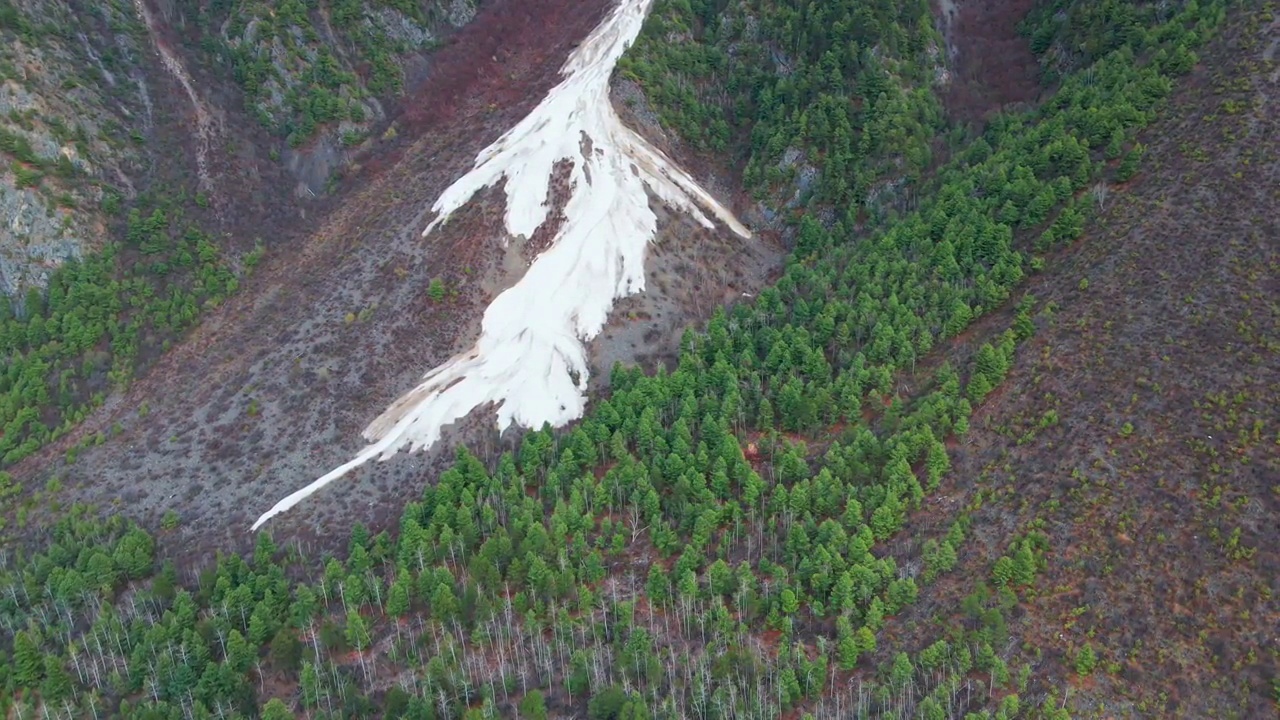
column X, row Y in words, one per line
column 992, row 65
column 275, row 386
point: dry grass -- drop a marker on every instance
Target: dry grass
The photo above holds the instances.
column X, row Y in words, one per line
column 1141, row 425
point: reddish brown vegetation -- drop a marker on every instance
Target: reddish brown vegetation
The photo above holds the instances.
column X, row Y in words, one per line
column 557, row 197
column 488, row 73
column 993, row 65
column 1155, row 480
column 508, row 55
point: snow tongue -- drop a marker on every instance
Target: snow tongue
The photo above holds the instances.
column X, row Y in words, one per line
column 530, row 360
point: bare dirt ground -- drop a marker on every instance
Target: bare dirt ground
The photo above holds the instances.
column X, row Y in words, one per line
column 690, row 271
column 275, row 386
column 1140, row 426
column 992, row 65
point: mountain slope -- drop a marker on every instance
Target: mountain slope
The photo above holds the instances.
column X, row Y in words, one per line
column 266, row 393
column 103, row 85
column 948, row 465
column 140, row 185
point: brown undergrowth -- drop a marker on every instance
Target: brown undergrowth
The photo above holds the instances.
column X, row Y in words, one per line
column 991, row 63
column 275, row 386
column 1139, row 427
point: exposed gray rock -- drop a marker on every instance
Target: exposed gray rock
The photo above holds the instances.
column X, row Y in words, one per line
column 35, row 239
column 15, row 98
column 790, row 157
column 400, row 28
column 629, row 94
column 59, row 96
column 87, row 93
column 804, row 175
column 314, row 164
column 461, row 12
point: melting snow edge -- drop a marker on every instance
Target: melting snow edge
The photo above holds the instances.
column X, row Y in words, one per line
column 533, row 336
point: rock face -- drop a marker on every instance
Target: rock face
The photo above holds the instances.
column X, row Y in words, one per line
column 319, row 79
column 68, row 101
column 33, row 241
column 100, row 102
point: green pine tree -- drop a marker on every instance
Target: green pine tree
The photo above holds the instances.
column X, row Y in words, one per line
column 436, row 290
column 398, row 596
column 357, row 631
column 1003, row 571
column 533, row 706
column 847, row 649
column 57, row 681
column 28, row 661
column 1024, row 566
column 275, row 709
column 865, row 640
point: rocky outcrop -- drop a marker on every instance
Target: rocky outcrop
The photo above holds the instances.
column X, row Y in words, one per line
column 33, row 240
column 70, row 100
column 319, row 79
column 101, row 101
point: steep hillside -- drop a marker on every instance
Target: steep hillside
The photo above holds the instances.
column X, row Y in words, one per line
column 324, row 76
column 139, row 185
column 999, row 441
column 266, row 393
column 819, row 103
column 90, row 91
column 1139, row 429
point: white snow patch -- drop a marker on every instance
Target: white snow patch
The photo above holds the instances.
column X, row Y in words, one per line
column 533, row 335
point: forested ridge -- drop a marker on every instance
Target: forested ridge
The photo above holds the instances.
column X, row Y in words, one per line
column 713, row 540
column 304, row 64
column 839, row 93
